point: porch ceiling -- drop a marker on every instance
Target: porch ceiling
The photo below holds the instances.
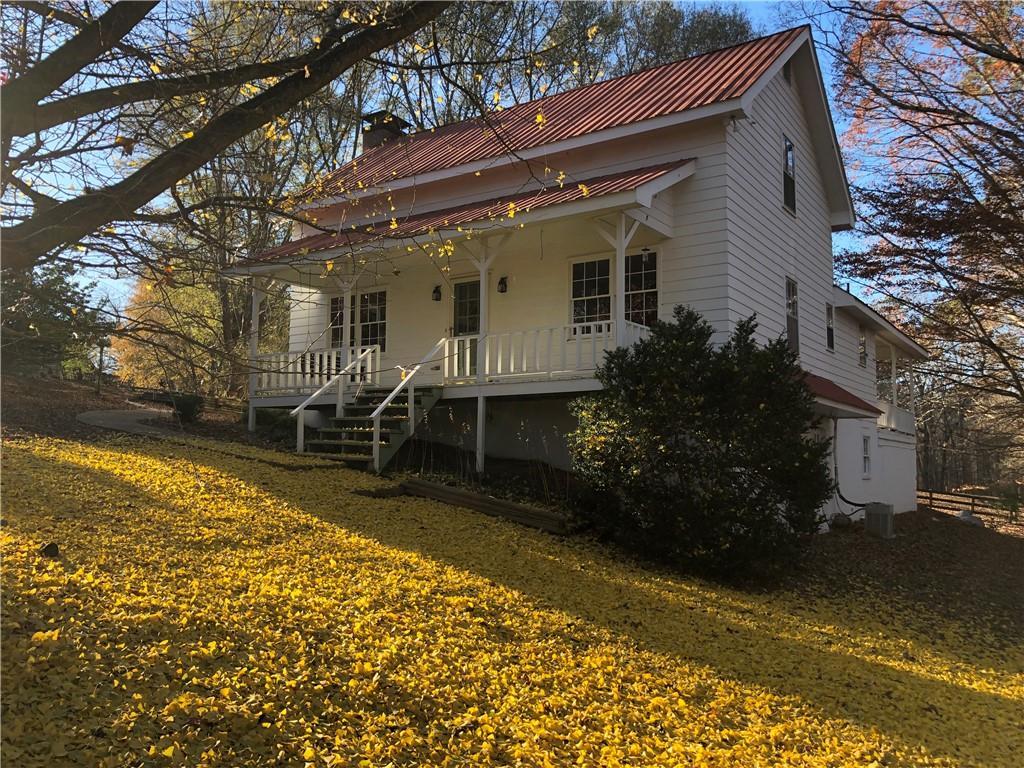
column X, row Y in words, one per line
column 591, row 196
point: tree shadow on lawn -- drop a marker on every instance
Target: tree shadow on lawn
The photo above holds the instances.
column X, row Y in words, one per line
column 829, row 654
column 757, row 640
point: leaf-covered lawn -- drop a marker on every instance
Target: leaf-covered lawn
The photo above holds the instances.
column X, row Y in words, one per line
column 214, row 608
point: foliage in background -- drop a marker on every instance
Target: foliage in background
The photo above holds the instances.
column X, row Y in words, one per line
column 703, row 457
column 491, row 55
column 48, row 325
column 934, row 95
column 173, row 335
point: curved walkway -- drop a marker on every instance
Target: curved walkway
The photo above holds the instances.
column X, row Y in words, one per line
column 128, row 420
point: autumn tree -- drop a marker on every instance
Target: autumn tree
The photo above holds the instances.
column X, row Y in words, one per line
column 934, row 96
column 476, row 57
column 47, row 321
column 73, row 80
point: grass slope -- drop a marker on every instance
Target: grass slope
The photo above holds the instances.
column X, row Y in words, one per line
column 223, row 605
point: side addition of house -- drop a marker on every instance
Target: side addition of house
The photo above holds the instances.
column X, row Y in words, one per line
column 471, row 278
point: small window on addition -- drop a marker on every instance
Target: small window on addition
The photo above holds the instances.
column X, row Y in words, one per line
column 792, row 316
column 866, row 454
column 788, row 175
column 830, row 327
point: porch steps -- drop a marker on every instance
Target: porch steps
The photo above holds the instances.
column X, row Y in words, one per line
column 350, row 436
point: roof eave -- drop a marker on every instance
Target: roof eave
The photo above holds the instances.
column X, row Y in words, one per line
column 847, row 301
column 597, row 205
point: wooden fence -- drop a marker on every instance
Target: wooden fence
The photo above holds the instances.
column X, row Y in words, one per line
column 993, row 506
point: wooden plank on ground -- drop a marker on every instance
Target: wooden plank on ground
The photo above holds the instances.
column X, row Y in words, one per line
column 546, row 520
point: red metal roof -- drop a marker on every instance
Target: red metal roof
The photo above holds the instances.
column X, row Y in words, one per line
column 493, row 210
column 682, row 85
column 827, row 389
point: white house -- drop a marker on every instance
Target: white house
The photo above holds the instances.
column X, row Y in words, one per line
column 487, row 265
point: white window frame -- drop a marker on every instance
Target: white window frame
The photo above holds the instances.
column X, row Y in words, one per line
column 355, row 325
column 862, row 347
column 588, row 327
column 357, row 331
column 656, row 290
column 830, row 327
column 793, row 313
column 866, row 457
column 788, row 146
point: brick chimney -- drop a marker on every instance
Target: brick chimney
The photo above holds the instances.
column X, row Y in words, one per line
column 382, row 126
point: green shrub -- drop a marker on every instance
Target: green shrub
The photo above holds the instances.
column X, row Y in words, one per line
column 187, row 407
column 700, row 457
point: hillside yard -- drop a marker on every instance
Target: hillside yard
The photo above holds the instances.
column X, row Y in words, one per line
column 220, row 604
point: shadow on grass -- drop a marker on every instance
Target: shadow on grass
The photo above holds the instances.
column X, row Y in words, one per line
column 762, row 641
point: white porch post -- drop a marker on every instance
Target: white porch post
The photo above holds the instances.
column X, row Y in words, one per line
column 892, row 368
column 483, row 264
column 346, row 325
column 913, row 394
column 254, row 347
column 620, row 281
column 619, row 238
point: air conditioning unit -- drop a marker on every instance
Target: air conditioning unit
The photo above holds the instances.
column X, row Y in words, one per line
column 879, row 520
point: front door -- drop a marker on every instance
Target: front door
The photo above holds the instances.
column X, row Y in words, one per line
column 466, row 326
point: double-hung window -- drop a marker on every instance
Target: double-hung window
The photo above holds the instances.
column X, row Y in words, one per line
column 862, row 348
column 591, row 295
column 373, row 319
column 792, row 316
column 367, row 319
column 642, row 288
column 830, row 327
column 788, row 175
column 866, row 454
column 337, row 322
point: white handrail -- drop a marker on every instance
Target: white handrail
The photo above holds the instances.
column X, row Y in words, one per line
column 405, row 382
column 300, row 410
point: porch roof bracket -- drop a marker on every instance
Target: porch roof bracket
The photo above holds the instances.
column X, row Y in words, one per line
column 643, row 215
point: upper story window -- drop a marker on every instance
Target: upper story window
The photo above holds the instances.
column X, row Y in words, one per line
column 788, row 175
column 830, row 327
column 591, row 293
column 862, row 348
column 642, row 288
column 792, row 316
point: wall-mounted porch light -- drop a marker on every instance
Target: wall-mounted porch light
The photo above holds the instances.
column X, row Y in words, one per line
column 436, row 293
column 503, row 284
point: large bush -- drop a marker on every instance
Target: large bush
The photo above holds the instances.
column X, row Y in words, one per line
column 703, row 457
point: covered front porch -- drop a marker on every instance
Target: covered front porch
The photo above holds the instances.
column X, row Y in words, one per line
column 530, row 309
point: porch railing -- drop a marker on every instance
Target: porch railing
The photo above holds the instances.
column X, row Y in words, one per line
column 562, row 351
column 307, row 371
column 896, row 418
column 342, row 377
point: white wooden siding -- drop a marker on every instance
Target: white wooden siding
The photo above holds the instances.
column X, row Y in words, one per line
column 767, row 243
